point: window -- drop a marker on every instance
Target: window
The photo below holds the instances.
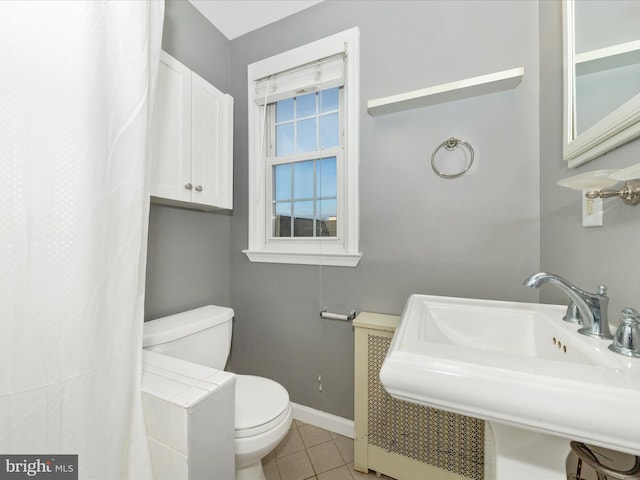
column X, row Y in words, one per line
column 303, row 154
column 306, row 143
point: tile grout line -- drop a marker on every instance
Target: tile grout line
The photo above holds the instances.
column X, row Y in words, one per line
column 306, row 451
column 335, row 440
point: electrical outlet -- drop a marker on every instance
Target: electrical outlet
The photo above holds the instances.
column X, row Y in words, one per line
column 592, row 211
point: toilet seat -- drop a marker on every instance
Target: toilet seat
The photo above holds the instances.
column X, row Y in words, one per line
column 261, row 404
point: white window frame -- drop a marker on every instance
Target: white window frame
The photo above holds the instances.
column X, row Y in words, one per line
column 340, row 251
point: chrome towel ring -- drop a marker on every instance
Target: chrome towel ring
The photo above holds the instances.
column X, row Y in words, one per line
column 452, row 144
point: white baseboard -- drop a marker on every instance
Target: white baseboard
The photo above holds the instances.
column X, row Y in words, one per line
column 321, row 419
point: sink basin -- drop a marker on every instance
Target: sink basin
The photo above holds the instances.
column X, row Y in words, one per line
column 517, row 329
column 517, row 364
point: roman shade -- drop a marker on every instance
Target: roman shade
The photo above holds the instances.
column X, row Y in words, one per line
column 318, row 75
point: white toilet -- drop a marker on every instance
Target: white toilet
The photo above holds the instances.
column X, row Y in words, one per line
column 263, row 410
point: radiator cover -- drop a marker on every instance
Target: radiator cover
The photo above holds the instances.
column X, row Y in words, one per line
column 402, row 439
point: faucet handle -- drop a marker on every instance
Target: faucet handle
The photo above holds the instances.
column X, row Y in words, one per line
column 627, row 338
column 602, row 290
column 573, row 314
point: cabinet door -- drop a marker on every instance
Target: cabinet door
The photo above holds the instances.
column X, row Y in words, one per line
column 212, row 144
column 171, row 137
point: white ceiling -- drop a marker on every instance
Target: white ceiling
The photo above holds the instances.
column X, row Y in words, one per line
column 237, row 17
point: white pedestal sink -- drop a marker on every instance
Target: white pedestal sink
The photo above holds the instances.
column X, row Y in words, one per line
column 533, row 377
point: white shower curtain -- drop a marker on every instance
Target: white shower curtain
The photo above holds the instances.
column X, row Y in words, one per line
column 76, row 89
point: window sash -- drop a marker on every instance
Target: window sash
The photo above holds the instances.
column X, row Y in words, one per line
column 270, row 200
column 270, row 128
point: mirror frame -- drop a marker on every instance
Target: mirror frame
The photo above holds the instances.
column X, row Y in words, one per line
column 619, row 127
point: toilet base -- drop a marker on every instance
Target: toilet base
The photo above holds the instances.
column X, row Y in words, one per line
column 251, row 472
column 251, row 450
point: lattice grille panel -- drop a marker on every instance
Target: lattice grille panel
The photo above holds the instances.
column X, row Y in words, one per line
column 446, row 440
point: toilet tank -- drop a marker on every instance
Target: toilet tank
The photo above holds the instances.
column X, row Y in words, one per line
column 201, row 336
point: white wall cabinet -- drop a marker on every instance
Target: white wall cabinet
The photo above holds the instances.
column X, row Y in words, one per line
column 192, row 140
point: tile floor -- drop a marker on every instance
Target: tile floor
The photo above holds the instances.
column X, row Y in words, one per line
column 309, row 452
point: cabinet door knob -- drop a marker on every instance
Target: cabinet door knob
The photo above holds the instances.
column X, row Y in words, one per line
column 199, row 188
column 188, row 186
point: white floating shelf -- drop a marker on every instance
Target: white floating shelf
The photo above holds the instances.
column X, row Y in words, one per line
column 616, row 56
column 448, row 92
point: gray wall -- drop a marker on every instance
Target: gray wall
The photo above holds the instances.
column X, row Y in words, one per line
column 188, row 256
column 586, row 256
column 476, row 236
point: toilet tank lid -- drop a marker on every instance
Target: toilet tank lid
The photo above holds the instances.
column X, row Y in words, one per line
column 173, row 327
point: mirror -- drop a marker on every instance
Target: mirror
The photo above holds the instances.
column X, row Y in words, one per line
column 602, row 77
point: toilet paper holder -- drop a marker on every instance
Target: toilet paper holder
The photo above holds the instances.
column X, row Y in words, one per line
column 324, row 313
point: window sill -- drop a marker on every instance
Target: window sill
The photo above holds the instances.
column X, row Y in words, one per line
column 304, row 258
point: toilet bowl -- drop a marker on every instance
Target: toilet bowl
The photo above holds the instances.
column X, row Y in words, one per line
column 262, row 407
column 263, row 417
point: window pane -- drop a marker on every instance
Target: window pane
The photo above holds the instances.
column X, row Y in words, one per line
column 303, row 180
column 306, row 105
column 282, row 219
column 284, row 110
column 284, row 139
column 303, row 219
column 329, row 130
column 326, row 214
column 282, row 182
column 326, row 209
column 326, row 177
column 307, row 136
column 283, row 209
column 329, row 100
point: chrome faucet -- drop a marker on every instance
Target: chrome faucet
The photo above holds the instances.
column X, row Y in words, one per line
column 592, row 306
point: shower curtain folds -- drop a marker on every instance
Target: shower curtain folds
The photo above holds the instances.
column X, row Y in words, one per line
column 77, row 80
